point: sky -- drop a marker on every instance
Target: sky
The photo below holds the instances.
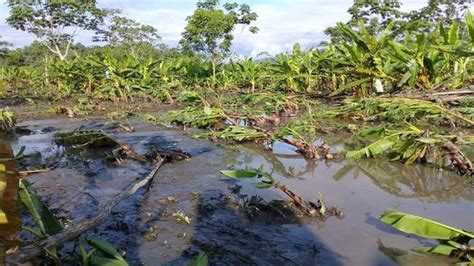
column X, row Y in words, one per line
column 282, row 22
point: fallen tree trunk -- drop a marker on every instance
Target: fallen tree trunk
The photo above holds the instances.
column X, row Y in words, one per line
column 445, row 96
column 29, row 252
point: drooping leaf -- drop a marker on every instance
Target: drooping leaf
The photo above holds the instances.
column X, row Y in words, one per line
column 376, row 148
column 470, row 25
column 439, row 249
column 96, row 260
column 423, row 227
column 349, row 85
column 41, row 214
column 371, row 132
column 106, row 253
column 201, row 260
column 453, row 34
column 239, row 173
column 262, row 185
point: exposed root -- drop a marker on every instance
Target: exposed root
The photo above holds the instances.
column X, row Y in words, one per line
column 458, row 159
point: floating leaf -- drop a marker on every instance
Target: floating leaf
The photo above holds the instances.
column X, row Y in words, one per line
column 423, row 227
column 239, row 173
column 373, row 149
column 439, row 249
column 262, row 185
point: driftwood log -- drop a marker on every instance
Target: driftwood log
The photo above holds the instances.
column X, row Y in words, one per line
column 29, row 252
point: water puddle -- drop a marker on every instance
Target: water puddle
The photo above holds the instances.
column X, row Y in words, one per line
column 190, row 207
column 364, row 189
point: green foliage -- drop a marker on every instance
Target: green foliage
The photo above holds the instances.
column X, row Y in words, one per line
column 452, row 241
column 209, row 29
column 4, row 46
column 83, row 138
column 396, row 110
column 55, row 23
column 412, row 144
column 201, row 260
column 7, row 119
column 201, row 117
column 238, row 134
column 104, row 254
column 393, row 142
column 129, row 35
column 44, row 219
column 266, row 180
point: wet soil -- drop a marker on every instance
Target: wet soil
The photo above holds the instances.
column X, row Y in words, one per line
column 190, row 207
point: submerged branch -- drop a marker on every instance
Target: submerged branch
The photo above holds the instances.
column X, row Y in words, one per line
column 31, row 251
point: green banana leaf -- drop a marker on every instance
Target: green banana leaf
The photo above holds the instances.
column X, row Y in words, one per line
column 348, row 86
column 267, row 180
column 470, row 25
column 201, row 260
column 423, row 227
column 40, row 212
column 107, row 254
column 239, row 174
column 376, row 148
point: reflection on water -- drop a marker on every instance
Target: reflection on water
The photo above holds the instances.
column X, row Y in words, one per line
column 409, row 181
column 277, row 162
column 363, row 189
column 9, row 215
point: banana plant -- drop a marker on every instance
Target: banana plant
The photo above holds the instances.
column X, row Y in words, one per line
column 365, row 58
column 452, row 241
column 249, row 73
column 7, row 119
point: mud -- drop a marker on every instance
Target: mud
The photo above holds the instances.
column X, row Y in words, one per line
column 190, row 207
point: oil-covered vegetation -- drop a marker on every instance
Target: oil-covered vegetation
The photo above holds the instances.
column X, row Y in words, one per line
column 399, row 84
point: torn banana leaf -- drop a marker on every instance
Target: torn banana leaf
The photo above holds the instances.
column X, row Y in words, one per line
column 93, row 138
column 453, row 241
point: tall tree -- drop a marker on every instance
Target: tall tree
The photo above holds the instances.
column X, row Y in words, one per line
column 374, row 14
column 4, row 46
column 55, row 23
column 442, row 10
column 129, row 34
column 209, row 29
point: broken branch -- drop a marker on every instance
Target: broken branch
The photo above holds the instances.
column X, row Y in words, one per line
column 31, row 251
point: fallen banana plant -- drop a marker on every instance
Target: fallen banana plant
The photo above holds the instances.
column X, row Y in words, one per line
column 452, row 241
column 398, row 110
column 7, row 119
column 98, row 139
column 200, row 117
column 236, row 133
column 413, row 144
column 303, row 144
column 267, row 181
column 225, row 127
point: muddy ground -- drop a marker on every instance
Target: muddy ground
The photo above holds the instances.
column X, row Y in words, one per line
column 225, row 221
